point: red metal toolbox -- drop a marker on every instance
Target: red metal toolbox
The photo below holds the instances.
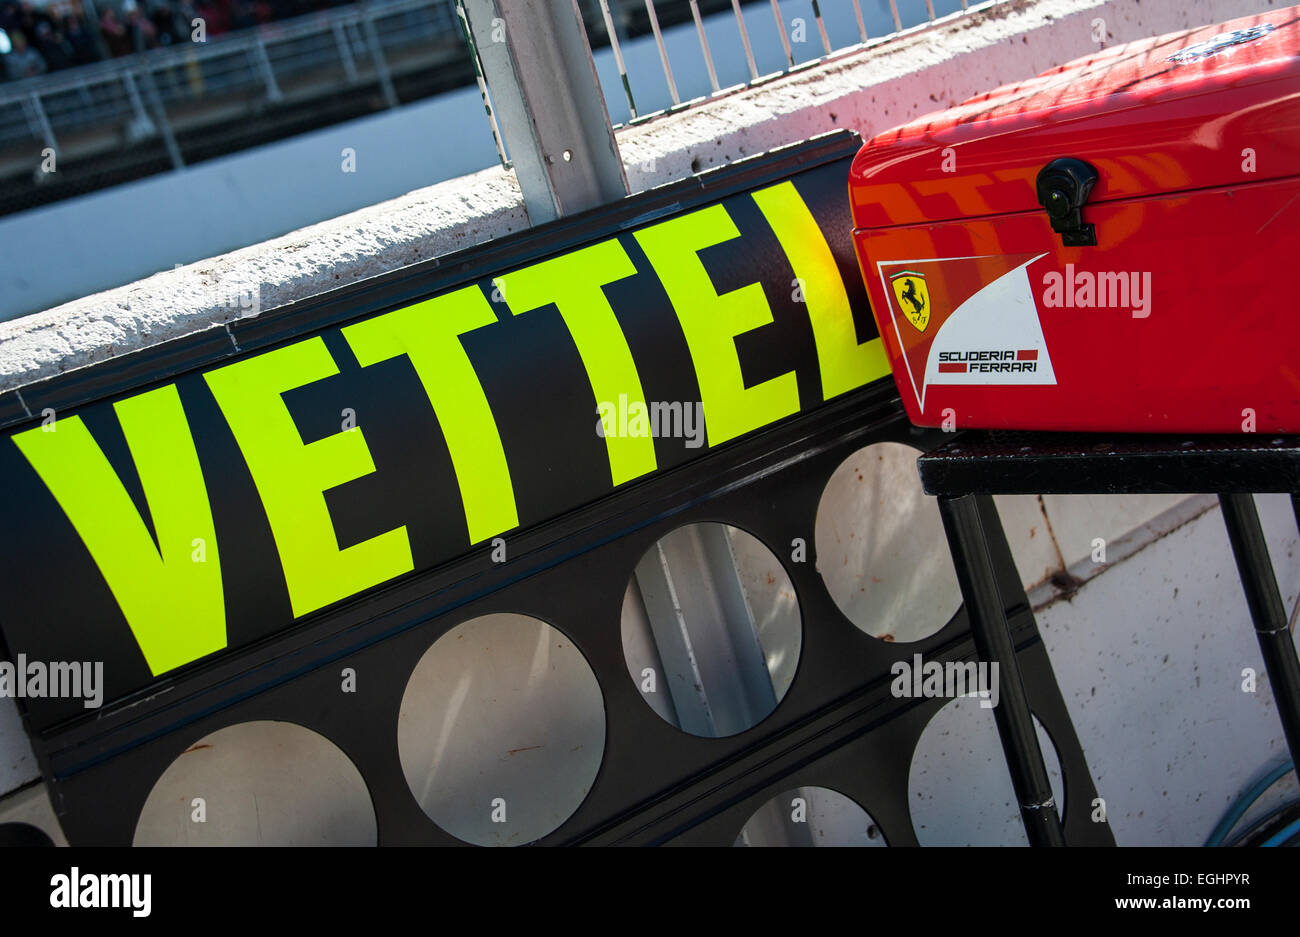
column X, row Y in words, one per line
column 1110, row 246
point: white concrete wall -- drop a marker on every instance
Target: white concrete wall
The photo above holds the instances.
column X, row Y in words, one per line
column 1150, row 658
column 1117, row 610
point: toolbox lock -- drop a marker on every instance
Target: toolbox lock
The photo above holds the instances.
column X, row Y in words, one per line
column 1063, row 186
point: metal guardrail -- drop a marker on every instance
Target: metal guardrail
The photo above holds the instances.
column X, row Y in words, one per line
column 779, row 15
column 176, row 98
column 536, row 68
column 138, row 90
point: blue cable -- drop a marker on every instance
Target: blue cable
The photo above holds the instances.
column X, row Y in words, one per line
column 1284, row 834
column 1238, row 810
column 1274, row 820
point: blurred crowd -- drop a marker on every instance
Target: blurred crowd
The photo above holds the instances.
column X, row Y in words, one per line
column 64, row 34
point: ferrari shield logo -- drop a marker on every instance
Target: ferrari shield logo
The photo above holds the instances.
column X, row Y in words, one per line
column 913, row 297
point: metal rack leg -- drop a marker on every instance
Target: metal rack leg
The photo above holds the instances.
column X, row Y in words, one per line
column 993, row 643
column 1266, row 611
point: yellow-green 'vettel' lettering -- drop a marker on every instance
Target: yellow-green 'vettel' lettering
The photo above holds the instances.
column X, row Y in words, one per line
column 573, row 282
column 291, row 477
column 844, row 363
column 711, row 323
column 172, row 602
column 428, row 333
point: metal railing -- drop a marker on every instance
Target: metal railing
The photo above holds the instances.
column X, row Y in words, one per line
column 352, row 45
column 140, row 91
column 536, row 68
column 885, row 15
column 135, row 115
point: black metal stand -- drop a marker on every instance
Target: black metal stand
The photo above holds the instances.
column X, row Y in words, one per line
column 966, row 473
column 1266, row 611
column 992, row 633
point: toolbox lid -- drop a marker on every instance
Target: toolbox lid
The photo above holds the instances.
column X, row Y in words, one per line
column 1207, row 107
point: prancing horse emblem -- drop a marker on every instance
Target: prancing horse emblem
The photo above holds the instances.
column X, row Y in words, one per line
column 913, row 297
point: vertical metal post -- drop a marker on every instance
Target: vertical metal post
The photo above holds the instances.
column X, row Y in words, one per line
column 992, row 635
column 780, row 28
column 157, row 122
column 862, row 24
column 663, row 52
column 264, row 66
column 543, row 82
column 161, row 120
column 618, row 54
column 42, row 121
column 133, row 95
column 1266, row 611
column 929, row 9
column 821, row 27
column 705, row 632
column 898, row 22
column 345, row 52
column 704, row 45
column 482, row 82
column 744, row 40
column 377, row 54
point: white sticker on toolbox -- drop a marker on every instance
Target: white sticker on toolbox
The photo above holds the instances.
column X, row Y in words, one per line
column 955, row 325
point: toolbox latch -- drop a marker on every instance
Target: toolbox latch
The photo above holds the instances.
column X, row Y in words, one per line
column 1063, row 186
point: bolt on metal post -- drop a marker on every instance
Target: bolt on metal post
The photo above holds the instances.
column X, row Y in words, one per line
column 542, row 80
